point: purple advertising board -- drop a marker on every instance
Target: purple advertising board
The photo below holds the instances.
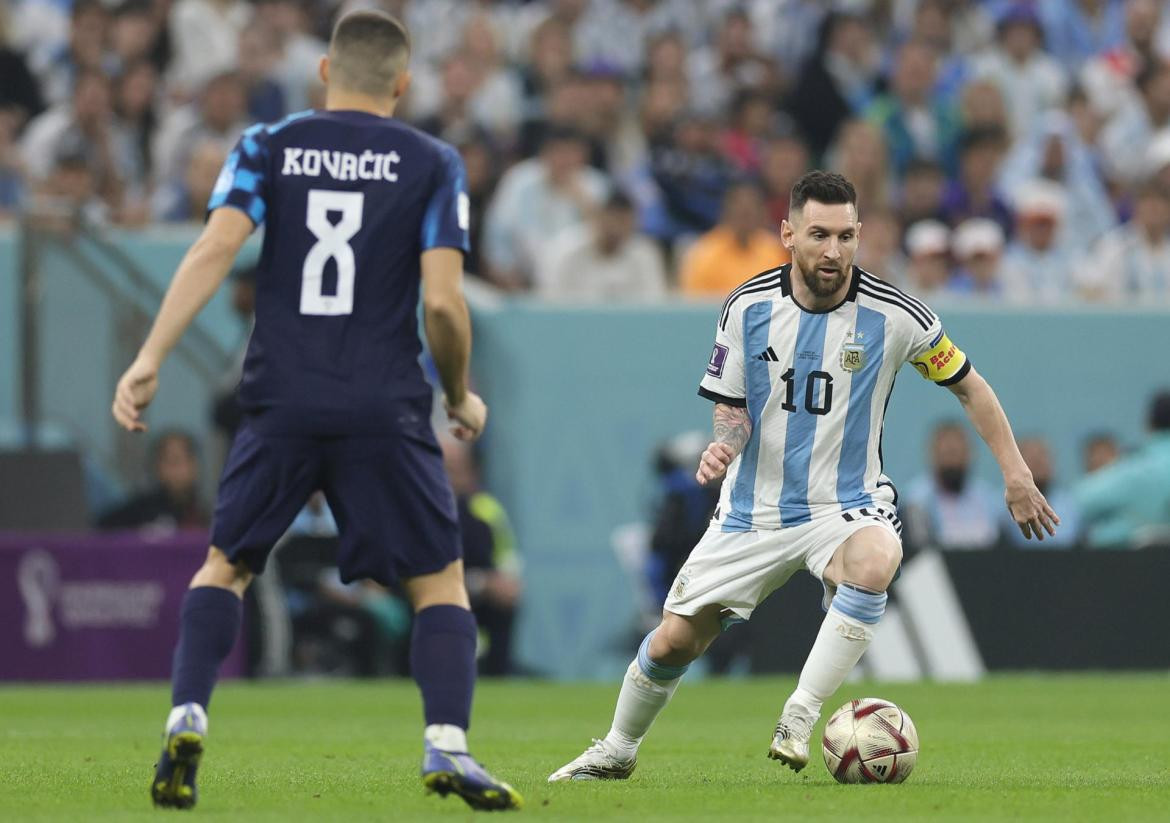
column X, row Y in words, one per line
column 95, row 606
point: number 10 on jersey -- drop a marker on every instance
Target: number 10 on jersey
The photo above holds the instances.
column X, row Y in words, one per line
column 332, row 243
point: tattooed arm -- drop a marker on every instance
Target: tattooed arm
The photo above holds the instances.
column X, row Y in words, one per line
column 733, row 427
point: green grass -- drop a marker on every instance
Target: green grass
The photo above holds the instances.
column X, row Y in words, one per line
column 1036, row 748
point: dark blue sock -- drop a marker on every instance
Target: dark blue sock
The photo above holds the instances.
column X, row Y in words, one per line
column 208, row 627
column 442, row 660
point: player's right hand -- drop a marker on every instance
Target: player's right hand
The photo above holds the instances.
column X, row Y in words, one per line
column 133, row 394
column 468, row 417
column 714, row 462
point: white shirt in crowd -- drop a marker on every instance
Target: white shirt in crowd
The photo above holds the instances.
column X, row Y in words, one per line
column 574, row 267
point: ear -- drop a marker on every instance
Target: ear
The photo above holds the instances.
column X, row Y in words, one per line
column 323, row 69
column 787, row 234
column 401, row 84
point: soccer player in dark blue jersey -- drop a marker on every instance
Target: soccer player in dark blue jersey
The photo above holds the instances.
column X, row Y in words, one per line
column 360, row 209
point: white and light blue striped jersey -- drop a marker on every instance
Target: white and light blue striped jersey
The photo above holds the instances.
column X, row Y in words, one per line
column 816, row 385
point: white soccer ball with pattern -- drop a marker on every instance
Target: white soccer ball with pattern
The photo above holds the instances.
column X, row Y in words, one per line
column 870, row 741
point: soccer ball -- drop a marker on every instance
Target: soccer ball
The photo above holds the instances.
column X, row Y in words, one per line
column 870, row 741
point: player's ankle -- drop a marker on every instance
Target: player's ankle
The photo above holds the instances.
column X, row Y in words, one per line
column 446, row 737
column 620, row 746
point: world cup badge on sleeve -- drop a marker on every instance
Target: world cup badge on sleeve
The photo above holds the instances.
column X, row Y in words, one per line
column 853, row 357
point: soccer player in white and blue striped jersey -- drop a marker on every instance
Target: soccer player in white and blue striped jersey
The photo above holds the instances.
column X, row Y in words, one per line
column 804, row 362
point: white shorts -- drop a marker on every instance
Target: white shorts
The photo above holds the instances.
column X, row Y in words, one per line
column 738, row 570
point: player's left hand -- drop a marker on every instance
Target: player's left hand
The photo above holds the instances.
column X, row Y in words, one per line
column 1029, row 509
column 133, row 394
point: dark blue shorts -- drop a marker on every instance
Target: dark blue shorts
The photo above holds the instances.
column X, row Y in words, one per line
column 388, row 491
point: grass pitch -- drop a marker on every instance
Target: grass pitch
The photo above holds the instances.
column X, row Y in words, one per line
column 1022, row 748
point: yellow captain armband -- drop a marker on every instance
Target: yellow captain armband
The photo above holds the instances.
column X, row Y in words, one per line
column 943, row 363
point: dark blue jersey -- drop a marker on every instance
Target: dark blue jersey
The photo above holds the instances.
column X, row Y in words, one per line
column 350, row 200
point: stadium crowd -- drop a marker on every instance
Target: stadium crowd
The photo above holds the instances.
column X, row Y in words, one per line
column 625, row 149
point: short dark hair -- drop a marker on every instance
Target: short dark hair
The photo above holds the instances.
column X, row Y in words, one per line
column 823, row 187
column 368, row 50
column 618, row 200
column 1159, row 419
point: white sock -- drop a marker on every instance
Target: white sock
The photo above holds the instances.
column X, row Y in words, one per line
column 446, row 737
column 178, row 711
column 638, row 703
column 839, row 645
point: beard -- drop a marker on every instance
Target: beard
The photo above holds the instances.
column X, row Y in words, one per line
column 816, row 284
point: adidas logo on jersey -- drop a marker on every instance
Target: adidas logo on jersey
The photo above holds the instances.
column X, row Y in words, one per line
column 768, row 355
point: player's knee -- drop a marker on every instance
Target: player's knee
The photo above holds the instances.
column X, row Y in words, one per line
column 677, row 641
column 217, row 570
column 875, row 566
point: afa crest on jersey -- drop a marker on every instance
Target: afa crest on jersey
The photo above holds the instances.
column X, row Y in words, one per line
column 853, row 356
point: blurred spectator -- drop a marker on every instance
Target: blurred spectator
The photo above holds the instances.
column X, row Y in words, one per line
column 491, row 564
column 11, row 166
column 172, row 501
column 83, row 127
column 836, row 82
column 186, row 200
column 550, row 60
column 89, row 24
column 259, row 57
column 536, row 199
column 20, row 91
column 496, row 98
column 923, row 188
column 1127, row 504
column 606, row 261
column 616, row 31
column 1038, row 458
column 916, row 125
column 978, row 249
column 1100, row 449
column 667, row 59
column 135, row 33
column 135, row 105
column 454, row 120
column 733, row 63
column 741, row 246
column 480, row 165
column 859, row 153
column 612, row 129
column 689, row 176
column 950, row 508
column 71, row 184
column 205, row 35
column 975, row 192
column 928, row 247
column 1075, row 30
column 1055, row 151
column 1108, row 77
column 933, row 23
column 785, row 160
column 880, row 252
column 1126, row 137
column 752, row 122
column 1132, row 262
column 1037, row 267
column 301, row 49
column 220, row 114
column 1030, row 80
column 982, row 106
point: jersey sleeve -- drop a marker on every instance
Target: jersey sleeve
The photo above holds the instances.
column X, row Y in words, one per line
column 935, row 357
column 447, row 220
column 243, row 182
column 723, row 381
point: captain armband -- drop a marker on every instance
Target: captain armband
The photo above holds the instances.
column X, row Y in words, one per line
column 943, row 363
